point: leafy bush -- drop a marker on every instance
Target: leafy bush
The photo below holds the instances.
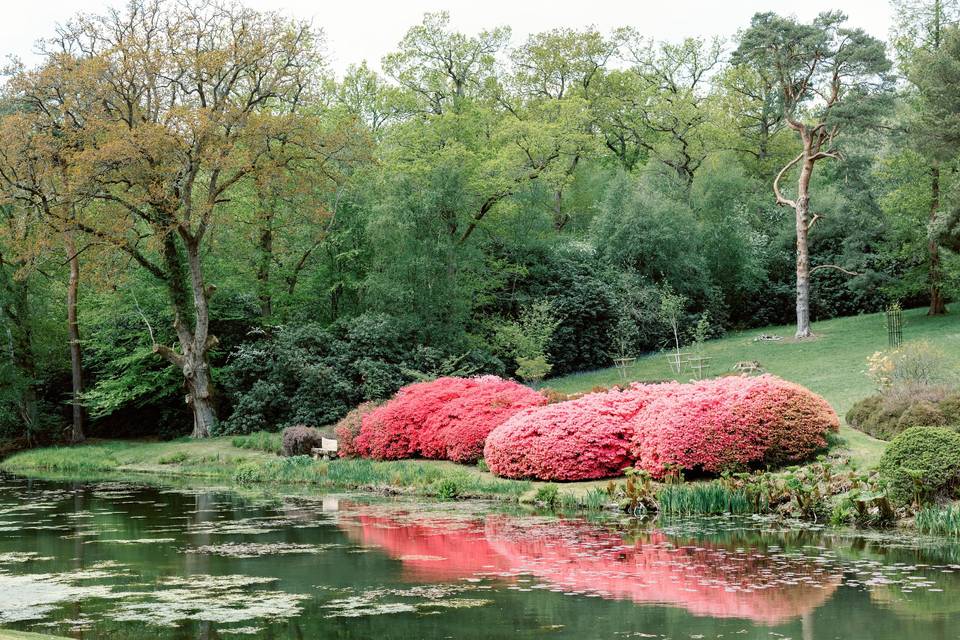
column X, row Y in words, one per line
column 580, row 439
column 730, row 423
column 922, row 464
column 448, row 418
column 941, row 521
column 913, row 365
column 300, row 440
column 349, row 428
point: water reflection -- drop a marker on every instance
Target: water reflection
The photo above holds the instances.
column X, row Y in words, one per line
column 585, row 559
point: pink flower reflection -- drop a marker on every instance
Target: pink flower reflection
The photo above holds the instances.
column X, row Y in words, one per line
column 578, row 557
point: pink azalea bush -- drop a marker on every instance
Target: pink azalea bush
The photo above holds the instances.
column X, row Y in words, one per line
column 582, row 439
column 447, row 418
column 730, row 423
column 709, row 426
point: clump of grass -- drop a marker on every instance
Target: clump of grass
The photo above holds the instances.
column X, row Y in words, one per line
column 259, row 441
column 177, row 457
column 87, row 459
column 449, row 489
column 944, row 521
column 548, row 495
column 712, row 498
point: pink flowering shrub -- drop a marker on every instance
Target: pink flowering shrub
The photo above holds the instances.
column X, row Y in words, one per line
column 582, row 439
column 348, row 429
column 447, row 418
column 729, row 423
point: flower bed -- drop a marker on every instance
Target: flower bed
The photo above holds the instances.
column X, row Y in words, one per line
column 447, row 418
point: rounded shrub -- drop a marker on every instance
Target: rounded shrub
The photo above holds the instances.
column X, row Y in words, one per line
column 447, row 418
column 299, row 440
column 348, row 429
column 581, row 439
column 922, row 464
column 729, row 423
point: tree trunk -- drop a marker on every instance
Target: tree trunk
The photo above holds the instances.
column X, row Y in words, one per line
column 803, row 252
column 192, row 326
column 73, row 333
column 197, row 367
column 938, row 305
column 201, row 396
column 265, row 258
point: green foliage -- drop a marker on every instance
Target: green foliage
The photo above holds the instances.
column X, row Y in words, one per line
column 922, row 464
column 546, row 201
column 527, row 338
column 711, row 498
column 311, row 374
column 449, row 489
column 548, row 495
column 939, row 521
column 886, row 415
column 80, row 460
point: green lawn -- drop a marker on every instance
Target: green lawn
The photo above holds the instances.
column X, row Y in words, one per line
column 832, row 364
column 22, row 635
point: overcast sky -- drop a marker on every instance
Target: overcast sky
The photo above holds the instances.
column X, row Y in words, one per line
column 359, row 30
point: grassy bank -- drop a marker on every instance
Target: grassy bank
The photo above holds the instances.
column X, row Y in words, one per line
column 220, row 459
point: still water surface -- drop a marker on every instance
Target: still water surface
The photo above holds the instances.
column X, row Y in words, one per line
column 111, row 560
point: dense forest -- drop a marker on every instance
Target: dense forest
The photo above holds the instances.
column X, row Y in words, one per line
column 205, row 230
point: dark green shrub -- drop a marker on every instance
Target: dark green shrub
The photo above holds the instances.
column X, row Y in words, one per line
column 299, row 440
column 449, row 489
column 921, row 464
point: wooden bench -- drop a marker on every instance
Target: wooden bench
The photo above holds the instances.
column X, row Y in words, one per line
column 748, row 367
column 326, row 451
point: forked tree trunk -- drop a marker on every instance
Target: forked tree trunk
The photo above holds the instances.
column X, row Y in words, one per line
column 73, row 334
column 938, row 305
column 189, row 298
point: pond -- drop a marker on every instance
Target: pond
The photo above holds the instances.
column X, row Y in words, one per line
column 113, row 560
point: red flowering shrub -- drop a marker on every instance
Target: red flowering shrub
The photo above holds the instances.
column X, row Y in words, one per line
column 448, row 418
column 730, row 422
column 349, row 428
column 582, row 439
